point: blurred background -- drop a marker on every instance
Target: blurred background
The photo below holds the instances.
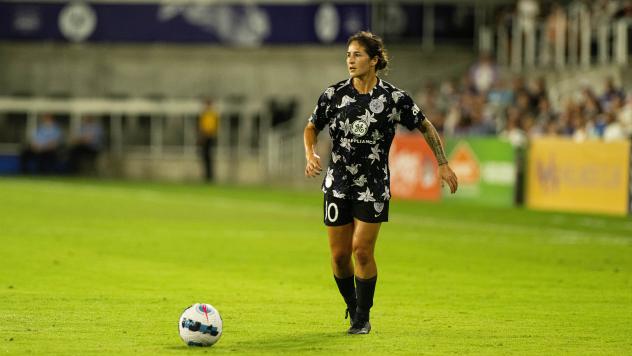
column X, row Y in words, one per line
column 533, row 98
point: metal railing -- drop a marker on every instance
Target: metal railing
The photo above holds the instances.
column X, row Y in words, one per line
column 523, row 47
column 169, row 130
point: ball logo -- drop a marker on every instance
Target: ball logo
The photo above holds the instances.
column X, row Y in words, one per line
column 376, row 105
column 359, row 128
column 204, row 309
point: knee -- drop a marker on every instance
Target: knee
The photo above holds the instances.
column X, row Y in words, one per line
column 341, row 258
column 362, row 254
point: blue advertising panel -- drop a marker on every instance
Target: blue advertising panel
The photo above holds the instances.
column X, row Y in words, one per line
column 405, row 21
column 239, row 25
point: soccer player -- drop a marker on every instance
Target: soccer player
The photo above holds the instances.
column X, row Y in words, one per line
column 362, row 113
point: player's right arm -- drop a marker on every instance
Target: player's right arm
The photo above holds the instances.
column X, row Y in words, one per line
column 316, row 122
column 313, row 167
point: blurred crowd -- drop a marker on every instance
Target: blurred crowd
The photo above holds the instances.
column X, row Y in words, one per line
column 482, row 102
column 48, row 152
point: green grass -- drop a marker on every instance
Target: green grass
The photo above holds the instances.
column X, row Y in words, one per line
column 107, row 267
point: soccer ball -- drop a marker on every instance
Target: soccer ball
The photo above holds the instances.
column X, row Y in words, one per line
column 200, row 325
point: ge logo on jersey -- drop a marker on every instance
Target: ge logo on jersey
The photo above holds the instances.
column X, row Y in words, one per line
column 359, row 128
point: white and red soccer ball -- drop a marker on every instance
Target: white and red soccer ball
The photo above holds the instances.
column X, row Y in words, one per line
column 200, row 325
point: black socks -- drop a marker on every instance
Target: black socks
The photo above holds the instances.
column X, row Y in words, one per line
column 347, row 289
column 359, row 298
column 365, row 289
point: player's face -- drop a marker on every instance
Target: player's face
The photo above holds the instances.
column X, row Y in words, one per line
column 358, row 62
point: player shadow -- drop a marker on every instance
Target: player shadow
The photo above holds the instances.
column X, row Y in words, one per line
column 293, row 343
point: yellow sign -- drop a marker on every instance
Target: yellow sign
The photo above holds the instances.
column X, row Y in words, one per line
column 583, row 177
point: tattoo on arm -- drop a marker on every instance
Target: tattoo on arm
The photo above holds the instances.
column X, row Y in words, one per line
column 434, row 141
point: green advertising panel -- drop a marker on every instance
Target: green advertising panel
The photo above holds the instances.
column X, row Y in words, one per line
column 486, row 170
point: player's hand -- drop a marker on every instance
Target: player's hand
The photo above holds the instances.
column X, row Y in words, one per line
column 448, row 176
column 313, row 168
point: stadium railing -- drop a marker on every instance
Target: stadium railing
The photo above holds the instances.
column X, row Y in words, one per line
column 152, row 138
column 573, row 46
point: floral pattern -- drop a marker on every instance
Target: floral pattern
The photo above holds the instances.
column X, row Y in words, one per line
column 358, row 168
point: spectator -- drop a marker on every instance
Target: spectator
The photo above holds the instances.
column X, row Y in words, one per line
column 590, row 107
column 530, row 126
column 428, row 98
column 614, row 130
column 551, row 129
column 41, row 155
column 545, row 113
column 500, row 94
column 86, row 145
column 611, row 92
column 580, row 130
column 208, row 125
column 513, row 131
column 448, row 95
column 523, row 103
column 624, row 116
column 537, row 92
column 483, row 74
column 565, row 122
column 555, row 24
column 518, row 85
column 528, row 11
column 482, row 120
column 603, row 11
column 505, row 19
column 625, row 10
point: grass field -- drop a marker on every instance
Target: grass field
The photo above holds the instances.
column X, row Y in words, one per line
column 107, row 267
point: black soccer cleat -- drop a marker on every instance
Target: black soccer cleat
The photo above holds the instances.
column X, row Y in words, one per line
column 360, row 327
column 351, row 314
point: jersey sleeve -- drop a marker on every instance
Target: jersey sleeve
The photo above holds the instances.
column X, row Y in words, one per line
column 320, row 116
column 410, row 114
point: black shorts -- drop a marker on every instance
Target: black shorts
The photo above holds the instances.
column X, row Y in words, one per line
column 342, row 211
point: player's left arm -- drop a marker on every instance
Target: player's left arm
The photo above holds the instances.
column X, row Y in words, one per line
column 434, row 141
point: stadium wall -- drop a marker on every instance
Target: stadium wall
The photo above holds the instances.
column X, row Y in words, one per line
column 107, row 70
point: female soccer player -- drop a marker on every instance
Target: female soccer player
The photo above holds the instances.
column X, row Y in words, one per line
column 362, row 113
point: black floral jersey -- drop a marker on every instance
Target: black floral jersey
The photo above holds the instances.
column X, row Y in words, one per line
column 362, row 127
